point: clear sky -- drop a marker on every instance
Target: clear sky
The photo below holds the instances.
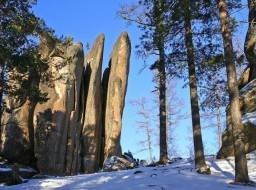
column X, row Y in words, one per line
column 85, row 20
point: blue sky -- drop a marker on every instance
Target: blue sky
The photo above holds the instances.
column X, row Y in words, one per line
column 85, row 20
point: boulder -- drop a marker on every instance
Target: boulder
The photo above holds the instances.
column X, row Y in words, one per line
column 58, row 121
column 248, row 110
column 91, row 132
column 115, row 96
column 11, row 173
column 115, row 163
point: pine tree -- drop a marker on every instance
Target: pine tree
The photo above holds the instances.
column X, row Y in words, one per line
column 18, row 50
column 190, row 47
column 153, row 20
column 241, row 170
column 200, row 163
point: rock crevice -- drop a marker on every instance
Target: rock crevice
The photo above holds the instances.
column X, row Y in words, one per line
column 79, row 126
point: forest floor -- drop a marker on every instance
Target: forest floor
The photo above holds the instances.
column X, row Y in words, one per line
column 179, row 175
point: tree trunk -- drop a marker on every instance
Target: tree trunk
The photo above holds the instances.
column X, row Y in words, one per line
column 147, row 124
column 250, row 40
column 219, row 126
column 241, row 171
column 197, row 136
column 1, row 94
column 162, row 111
column 159, row 6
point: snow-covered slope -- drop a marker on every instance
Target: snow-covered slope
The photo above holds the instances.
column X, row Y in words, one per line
column 177, row 176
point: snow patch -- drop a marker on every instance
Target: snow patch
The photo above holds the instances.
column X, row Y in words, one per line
column 247, row 87
column 249, row 117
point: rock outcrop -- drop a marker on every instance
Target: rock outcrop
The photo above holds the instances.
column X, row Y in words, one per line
column 17, row 131
column 247, row 87
column 79, row 126
column 57, row 122
column 92, row 128
column 15, row 140
column 115, row 96
column 248, row 110
column 250, row 42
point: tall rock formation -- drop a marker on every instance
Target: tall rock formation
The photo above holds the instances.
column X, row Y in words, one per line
column 91, row 133
column 79, row 125
column 58, row 121
column 115, row 96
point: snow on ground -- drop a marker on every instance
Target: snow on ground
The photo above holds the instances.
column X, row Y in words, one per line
column 177, row 176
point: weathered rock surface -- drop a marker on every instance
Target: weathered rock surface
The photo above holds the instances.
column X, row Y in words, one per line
column 115, row 163
column 91, row 133
column 58, row 121
column 79, row 125
column 17, row 132
column 15, row 143
column 6, row 172
column 115, row 97
column 247, row 104
column 250, row 42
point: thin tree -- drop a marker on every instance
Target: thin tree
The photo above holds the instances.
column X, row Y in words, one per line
column 144, row 124
column 241, row 170
column 174, row 115
column 213, row 91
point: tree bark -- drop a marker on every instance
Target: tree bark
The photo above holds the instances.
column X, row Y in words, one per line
column 162, row 111
column 197, row 136
column 162, row 86
column 241, row 170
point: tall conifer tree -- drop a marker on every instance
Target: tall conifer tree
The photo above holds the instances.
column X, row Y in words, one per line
column 152, row 18
column 241, row 170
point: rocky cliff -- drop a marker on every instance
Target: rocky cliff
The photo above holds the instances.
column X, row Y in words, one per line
column 79, row 125
column 248, row 109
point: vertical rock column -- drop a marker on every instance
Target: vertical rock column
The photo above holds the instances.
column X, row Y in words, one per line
column 115, row 96
column 58, row 121
column 91, row 133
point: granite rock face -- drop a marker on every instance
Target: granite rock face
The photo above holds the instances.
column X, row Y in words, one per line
column 115, row 96
column 79, row 126
column 15, row 135
column 91, row 132
column 16, row 130
column 248, row 108
column 250, row 41
column 57, row 122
